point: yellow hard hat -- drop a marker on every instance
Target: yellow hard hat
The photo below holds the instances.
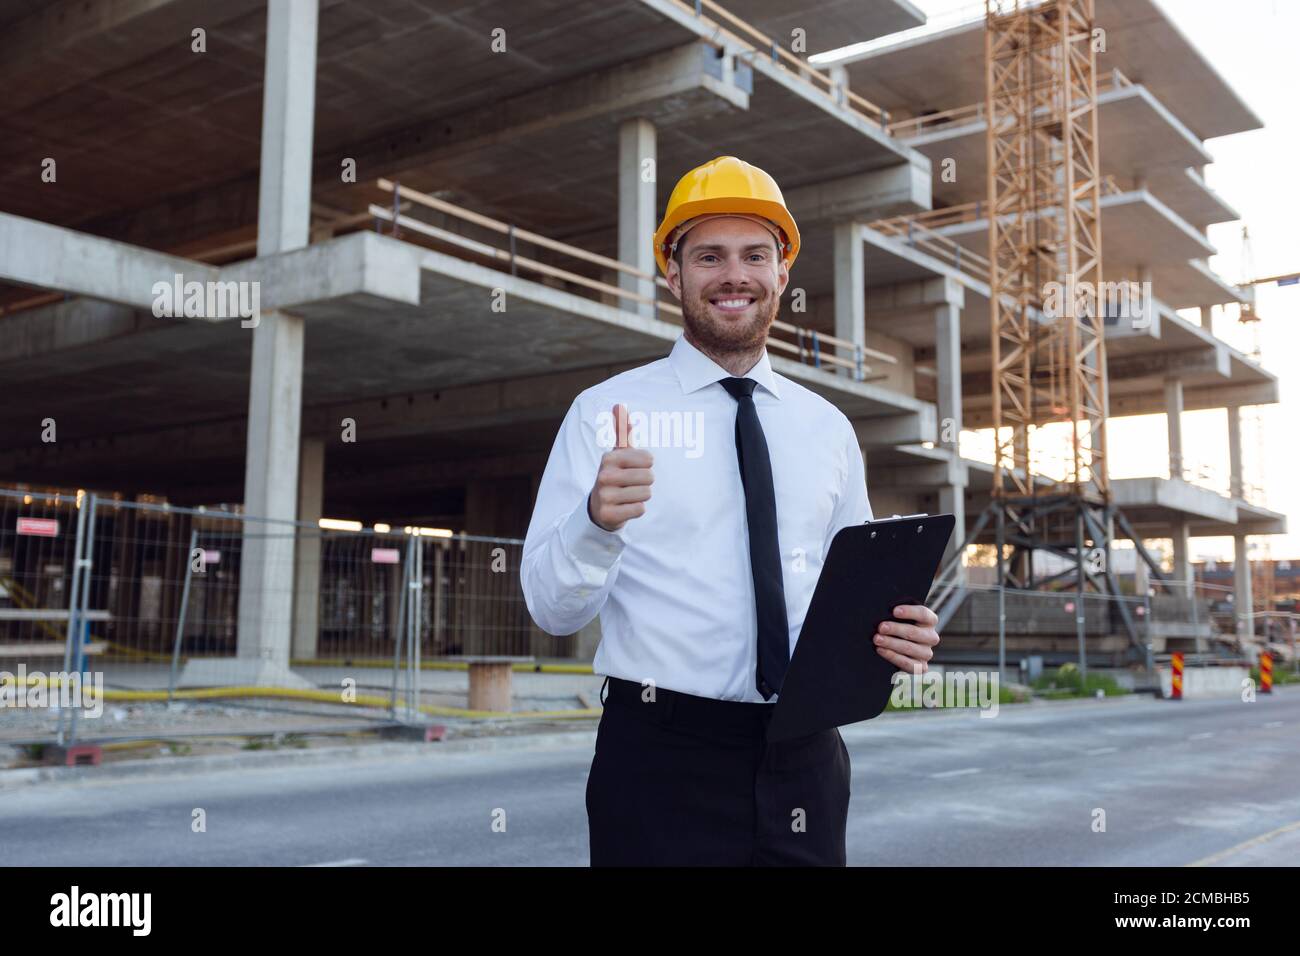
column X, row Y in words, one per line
column 725, row 185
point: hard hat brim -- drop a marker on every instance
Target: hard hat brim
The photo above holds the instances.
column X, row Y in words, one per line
column 772, row 211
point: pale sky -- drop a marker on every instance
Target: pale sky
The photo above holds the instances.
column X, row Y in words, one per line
column 1252, row 43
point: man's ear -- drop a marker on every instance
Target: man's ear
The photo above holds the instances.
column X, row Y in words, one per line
column 782, row 276
column 674, row 279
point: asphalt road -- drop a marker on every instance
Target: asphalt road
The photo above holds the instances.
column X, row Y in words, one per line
column 1215, row 781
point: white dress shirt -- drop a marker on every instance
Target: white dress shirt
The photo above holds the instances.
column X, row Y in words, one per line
column 673, row 587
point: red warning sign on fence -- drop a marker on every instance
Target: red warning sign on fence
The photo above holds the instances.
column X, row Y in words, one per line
column 41, row 527
column 385, row 556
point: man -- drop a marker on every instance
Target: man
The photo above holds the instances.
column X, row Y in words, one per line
column 702, row 589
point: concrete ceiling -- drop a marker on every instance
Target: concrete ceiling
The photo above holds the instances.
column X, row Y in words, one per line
column 828, row 24
column 158, row 146
column 160, row 119
column 945, row 70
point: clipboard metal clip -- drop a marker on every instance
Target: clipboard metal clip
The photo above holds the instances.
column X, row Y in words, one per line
column 919, row 514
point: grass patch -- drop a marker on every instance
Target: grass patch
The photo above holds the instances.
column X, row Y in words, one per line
column 1281, row 675
column 1066, row 681
column 1005, row 696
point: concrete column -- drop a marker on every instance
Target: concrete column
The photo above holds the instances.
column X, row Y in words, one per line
column 1182, row 542
column 1207, row 313
column 947, row 339
column 850, row 288
column 1243, row 598
column 636, row 210
column 306, row 581
column 1236, row 487
column 275, row 392
column 1174, row 419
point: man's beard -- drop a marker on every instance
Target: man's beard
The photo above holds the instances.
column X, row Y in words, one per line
column 716, row 335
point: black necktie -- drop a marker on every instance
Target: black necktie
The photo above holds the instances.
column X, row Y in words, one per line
column 764, row 552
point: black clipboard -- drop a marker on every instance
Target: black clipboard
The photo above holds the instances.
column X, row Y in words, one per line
column 835, row 676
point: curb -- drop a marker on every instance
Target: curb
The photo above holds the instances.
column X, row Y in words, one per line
column 586, row 736
column 173, row 766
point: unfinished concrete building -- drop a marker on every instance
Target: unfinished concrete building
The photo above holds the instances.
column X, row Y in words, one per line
column 446, row 209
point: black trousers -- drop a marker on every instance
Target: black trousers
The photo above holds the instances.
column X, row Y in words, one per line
column 682, row 780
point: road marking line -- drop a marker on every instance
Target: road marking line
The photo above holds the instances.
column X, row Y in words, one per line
column 1102, row 750
column 1201, row 736
column 1274, row 723
column 1255, row 841
column 956, row 773
column 351, row 861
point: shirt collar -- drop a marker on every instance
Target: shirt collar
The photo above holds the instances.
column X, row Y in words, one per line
column 695, row 369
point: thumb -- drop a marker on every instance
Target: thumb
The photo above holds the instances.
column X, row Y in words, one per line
column 621, row 439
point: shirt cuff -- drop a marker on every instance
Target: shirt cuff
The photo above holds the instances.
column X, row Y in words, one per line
column 587, row 542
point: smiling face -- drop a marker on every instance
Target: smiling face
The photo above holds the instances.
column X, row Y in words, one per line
column 729, row 283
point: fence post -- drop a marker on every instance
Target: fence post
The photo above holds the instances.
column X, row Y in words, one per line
column 1002, row 606
column 180, row 621
column 417, row 618
column 438, row 606
column 400, row 634
column 410, row 641
column 73, row 603
column 79, row 633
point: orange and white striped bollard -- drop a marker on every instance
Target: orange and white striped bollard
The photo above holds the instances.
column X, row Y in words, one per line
column 1177, row 690
column 1265, row 673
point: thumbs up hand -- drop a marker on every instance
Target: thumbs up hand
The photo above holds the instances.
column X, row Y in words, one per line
column 623, row 481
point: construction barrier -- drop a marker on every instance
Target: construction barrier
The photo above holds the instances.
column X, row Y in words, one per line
column 1177, row 663
column 168, row 603
column 1265, row 673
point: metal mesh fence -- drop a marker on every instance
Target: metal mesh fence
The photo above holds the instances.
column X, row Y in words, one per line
column 170, row 599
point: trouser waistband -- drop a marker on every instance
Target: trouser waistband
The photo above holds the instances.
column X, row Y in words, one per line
column 671, row 706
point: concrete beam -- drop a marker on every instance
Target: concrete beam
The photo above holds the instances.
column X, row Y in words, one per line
column 72, row 324
column 1147, row 364
column 1152, row 402
column 878, row 194
column 926, row 476
column 889, row 430
column 916, row 296
column 1216, row 396
column 34, row 253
